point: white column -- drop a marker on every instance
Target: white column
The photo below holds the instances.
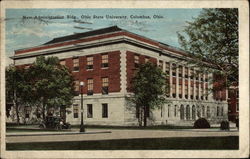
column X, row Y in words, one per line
column 210, row 86
column 183, row 82
column 189, row 83
column 194, row 80
column 170, row 79
column 199, row 81
column 177, row 81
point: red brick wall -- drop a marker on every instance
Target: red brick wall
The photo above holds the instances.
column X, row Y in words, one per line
column 219, row 89
column 232, row 101
column 112, row 72
column 131, row 67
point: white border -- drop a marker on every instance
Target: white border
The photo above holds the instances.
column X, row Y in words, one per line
column 243, row 73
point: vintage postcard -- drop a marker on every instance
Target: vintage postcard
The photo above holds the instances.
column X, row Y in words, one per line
column 116, row 79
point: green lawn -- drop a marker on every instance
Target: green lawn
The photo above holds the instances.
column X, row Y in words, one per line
column 187, row 143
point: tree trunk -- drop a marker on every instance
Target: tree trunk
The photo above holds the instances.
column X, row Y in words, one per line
column 145, row 116
column 16, row 106
column 43, row 106
column 140, row 116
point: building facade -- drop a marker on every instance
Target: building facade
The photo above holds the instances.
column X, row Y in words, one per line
column 106, row 60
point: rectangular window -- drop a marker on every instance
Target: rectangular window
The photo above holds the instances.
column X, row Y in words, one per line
column 197, row 91
column 218, row 110
column 180, row 71
column 173, row 69
column 90, row 85
column 202, row 91
column 174, row 90
column 75, row 110
column 105, row 85
column 63, row 62
column 206, row 77
column 206, row 93
column 192, row 91
column 201, row 76
column 186, row 72
column 27, row 110
column 167, row 67
column 76, row 64
column 161, row 64
column 146, row 59
column 89, row 111
column 180, row 90
column 196, row 76
column 136, row 61
column 105, row 61
column 105, row 110
column 168, row 86
column 237, row 106
column 186, row 91
column 90, row 62
column 191, row 73
column 168, row 110
column 77, row 84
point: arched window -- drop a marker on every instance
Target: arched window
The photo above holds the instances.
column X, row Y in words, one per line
column 198, row 111
column 182, row 112
column 218, row 110
column 187, row 112
column 203, row 110
column 193, row 113
column 222, row 111
column 208, row 112
column 175, row 110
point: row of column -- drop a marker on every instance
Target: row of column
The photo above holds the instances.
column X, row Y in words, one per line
column 189, row 82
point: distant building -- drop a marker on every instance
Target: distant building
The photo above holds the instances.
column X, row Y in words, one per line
column 106, row 60
column 233, row 103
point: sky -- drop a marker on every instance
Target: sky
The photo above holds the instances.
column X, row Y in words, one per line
column 23, row 30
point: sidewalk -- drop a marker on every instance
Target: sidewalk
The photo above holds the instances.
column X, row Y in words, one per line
column 112, row 134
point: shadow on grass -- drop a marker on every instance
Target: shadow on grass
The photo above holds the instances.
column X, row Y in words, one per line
column 185, row 143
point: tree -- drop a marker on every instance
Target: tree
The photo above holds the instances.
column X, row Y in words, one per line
column 212, row 38
column 17, row 88
column 149, row 87
column 52, row 84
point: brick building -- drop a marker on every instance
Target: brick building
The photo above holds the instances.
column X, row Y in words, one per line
column 105, row 60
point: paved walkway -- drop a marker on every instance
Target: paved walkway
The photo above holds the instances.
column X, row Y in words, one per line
column 110, row 134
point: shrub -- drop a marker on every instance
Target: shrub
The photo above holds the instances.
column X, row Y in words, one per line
column 224, row 125
column 201, row 123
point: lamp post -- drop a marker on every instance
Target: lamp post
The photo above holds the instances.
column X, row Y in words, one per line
column 82, row 129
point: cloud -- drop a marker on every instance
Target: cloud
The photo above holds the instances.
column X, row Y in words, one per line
column 30, row 30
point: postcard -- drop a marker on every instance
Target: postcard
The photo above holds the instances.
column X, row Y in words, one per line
column 124, row 79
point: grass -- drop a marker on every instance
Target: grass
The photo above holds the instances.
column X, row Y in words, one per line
column 187, row 143
column 16, row 130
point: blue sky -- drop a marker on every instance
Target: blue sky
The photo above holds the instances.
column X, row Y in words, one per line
column 22, row 33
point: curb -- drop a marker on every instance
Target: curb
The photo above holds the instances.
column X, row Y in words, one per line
column 69, row 133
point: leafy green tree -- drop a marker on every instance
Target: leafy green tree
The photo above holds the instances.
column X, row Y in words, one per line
column 149, row 90
column 213, row 37
column 17, row 88
column 52, row 84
